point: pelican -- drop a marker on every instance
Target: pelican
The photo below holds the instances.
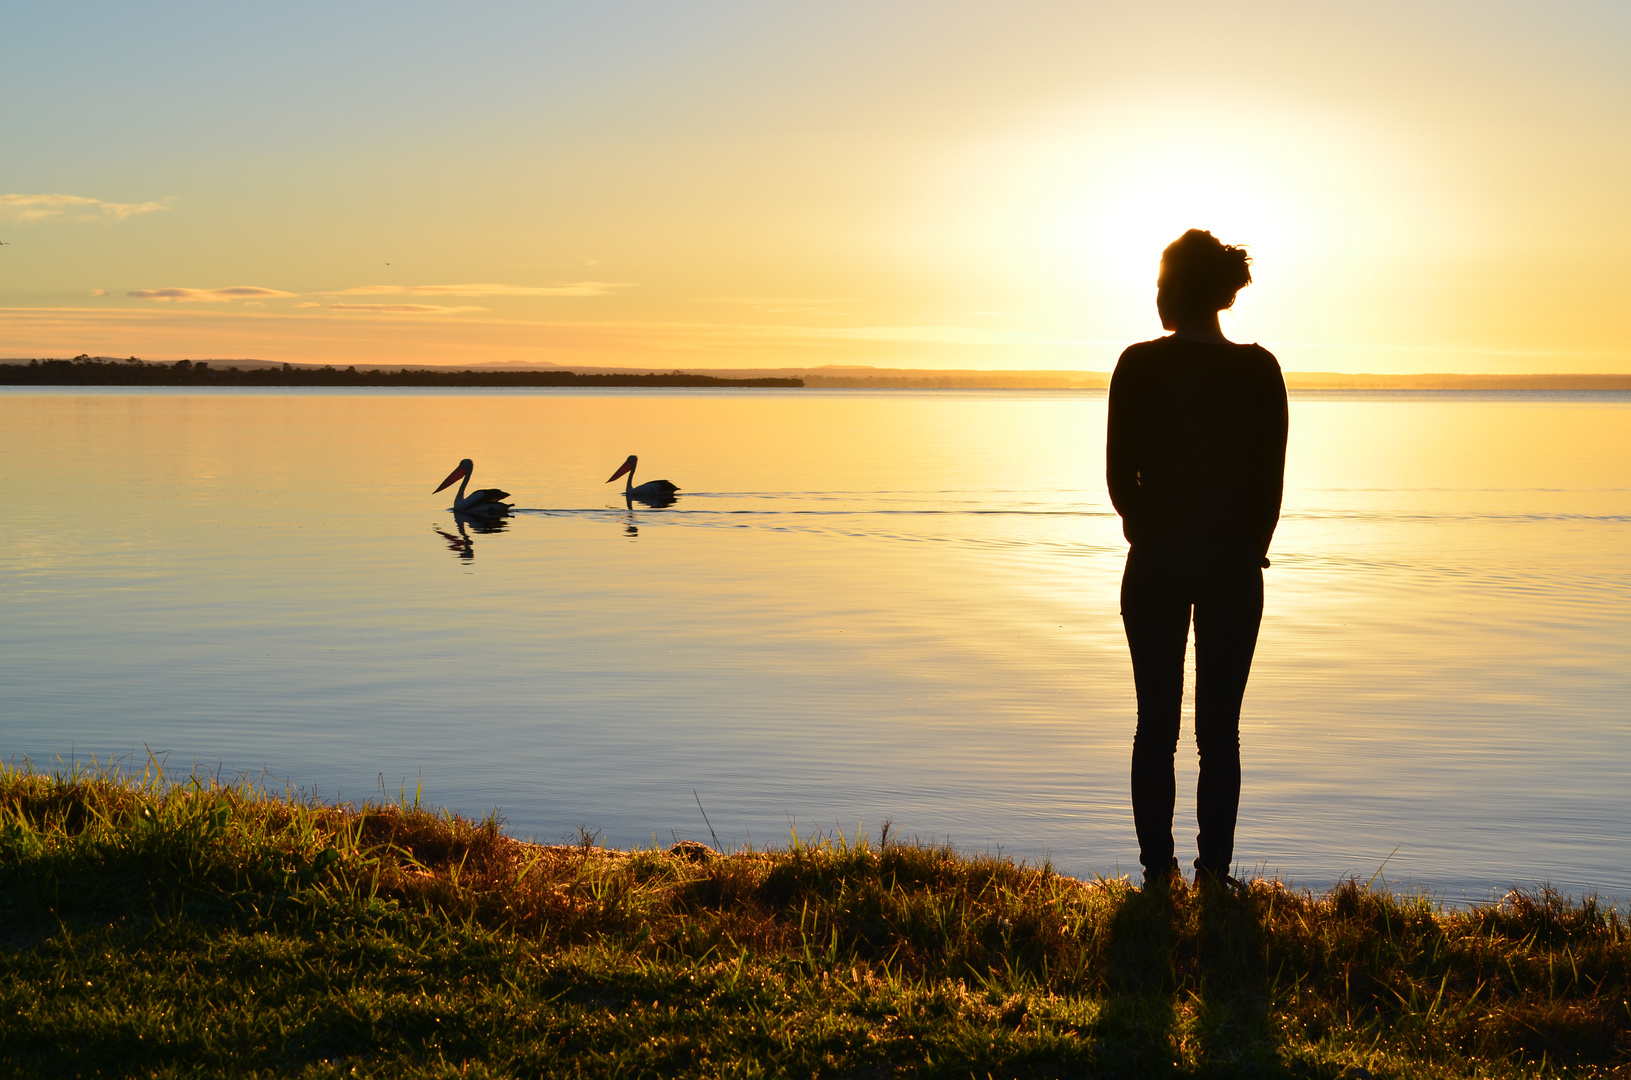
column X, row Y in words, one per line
column 650, row 491
column 483, row 501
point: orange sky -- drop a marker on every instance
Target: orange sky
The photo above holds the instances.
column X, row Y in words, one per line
column 1425, row 187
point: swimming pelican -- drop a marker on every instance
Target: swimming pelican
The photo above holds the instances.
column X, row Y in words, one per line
column 650, row 491
column 482, row 501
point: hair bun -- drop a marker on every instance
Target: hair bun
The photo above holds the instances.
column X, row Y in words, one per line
column 1204, row 270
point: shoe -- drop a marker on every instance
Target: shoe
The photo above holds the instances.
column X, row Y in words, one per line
column 1209, row 879
column 1162, row 880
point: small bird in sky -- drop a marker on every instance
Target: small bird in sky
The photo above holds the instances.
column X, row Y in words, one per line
column 6, row 243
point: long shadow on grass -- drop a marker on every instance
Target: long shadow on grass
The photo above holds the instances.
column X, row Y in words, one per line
column 1187, row 986
column 1135, row 1030
column 1231, row 1023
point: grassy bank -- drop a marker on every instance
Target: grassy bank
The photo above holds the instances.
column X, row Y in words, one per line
column 156, row 929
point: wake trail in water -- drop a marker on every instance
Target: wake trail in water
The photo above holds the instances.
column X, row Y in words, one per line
column 1039, row 529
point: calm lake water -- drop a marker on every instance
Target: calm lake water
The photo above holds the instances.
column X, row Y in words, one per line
column 864, row 605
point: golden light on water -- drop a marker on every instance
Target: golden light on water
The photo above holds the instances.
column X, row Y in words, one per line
column 862, row 604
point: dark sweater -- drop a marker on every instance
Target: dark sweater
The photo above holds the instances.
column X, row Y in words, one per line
column 1196, row 454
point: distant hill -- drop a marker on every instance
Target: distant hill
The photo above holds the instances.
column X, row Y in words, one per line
column 1336, row 380
column 882, row 378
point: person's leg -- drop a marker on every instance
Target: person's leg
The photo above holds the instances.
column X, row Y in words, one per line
column 1228, row 612
column 1155, row 613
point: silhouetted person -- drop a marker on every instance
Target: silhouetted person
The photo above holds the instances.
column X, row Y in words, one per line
column 1196, row 464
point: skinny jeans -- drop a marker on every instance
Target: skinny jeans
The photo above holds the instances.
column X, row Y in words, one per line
column 1161, row 590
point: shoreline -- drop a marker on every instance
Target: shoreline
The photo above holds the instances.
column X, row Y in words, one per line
column 85, row 370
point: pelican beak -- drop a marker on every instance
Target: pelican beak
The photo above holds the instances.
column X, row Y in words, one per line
column 456, row 474
column 625, row 467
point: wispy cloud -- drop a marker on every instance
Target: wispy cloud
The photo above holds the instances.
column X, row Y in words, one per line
column 58, row 207
column 234, row 292
column 937, row 335
column 787, row 305
column 404, row 309
column 783, row 301
column 572, row 288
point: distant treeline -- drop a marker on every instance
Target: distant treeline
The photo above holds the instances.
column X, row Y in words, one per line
column 89, row 371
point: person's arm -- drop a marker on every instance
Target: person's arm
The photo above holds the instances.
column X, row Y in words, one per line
column 1121, row 464
column 1271, row 458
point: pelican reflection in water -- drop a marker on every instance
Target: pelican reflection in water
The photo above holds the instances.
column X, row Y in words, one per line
column 651, row 493
column 483, row 502
column 461, row 545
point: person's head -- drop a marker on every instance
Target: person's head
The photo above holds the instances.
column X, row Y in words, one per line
column 1200, row 276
